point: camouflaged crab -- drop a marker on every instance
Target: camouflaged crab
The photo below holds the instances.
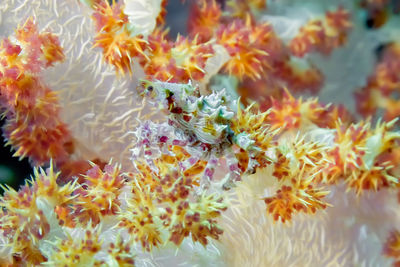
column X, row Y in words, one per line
column 202, row 125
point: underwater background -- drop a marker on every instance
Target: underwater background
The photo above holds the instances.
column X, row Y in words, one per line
column 200, row 133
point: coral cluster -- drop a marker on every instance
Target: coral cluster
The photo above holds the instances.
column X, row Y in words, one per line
column 383, row 86
column 33, row 125
column 217, row 151
column 322, row 35
column 115, row 213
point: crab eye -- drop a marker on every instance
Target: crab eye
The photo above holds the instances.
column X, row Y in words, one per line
column 150, row 88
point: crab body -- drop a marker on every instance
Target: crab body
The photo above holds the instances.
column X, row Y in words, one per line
column 202, row 118
column 202, row 124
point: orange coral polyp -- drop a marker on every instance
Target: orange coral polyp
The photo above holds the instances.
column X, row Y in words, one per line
column 392, row 246
column 176, row 62
column 33, row 125
column 383, row 84
column 252, row 47
column 138, row 220
column 242, row 8
column 205, row 15
column 291, row 113
column 350, row 143
column 310, row 36
column 191, row 56
column 116, row 40
column 37, row 143
column 100, row 197
column 363, row 157
column 290, row 199
column 285, row 113
column 163, row 12
column 322, row 35
column 107, row 17
column 120, row 48
column 371, row 180
column 299, row 80
column 159, row 63
column 52, row 51
column 339, row 19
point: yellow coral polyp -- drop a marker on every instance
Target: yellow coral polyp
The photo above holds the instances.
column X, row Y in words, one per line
column 100, row 197
column 373, row 179
column 119, row 252
column 297, row 156
column 43, row 184
column 363, row 157
column 139, row 221
column 79, row 251
column 254, row 124
column 198, row 219
column 26, row 219
column 46, row 185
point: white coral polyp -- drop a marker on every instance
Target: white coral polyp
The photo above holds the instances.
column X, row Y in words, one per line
column 142, row 15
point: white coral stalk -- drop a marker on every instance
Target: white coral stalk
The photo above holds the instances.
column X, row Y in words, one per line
column 99, row 108
column 142, row 15
column 350, row 233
